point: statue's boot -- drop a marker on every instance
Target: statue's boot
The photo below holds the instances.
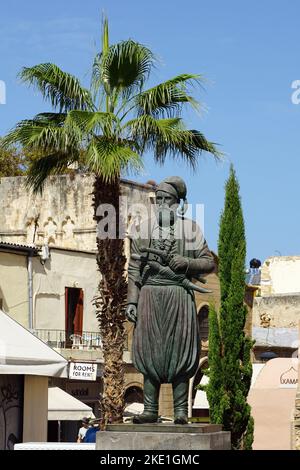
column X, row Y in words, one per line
column 151, row 395
column 180, row 398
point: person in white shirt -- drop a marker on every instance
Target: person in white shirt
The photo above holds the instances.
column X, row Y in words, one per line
column 82, row 431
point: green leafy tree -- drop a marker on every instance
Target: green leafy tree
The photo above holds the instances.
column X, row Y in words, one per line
column 230, row 367
column 107, row 130
column 16, row 161
column 10, row 162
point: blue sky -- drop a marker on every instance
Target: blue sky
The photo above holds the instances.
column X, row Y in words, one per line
column 249, row 54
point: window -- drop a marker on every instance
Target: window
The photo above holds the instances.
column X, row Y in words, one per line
column 74, row 311
column 203, row 322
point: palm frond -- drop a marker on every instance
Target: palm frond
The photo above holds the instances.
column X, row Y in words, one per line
column 96, row 81
column 88, row 122
column 105, row 36
column 169, row 137
column 108, row 157
column 62, row 89
column 42, row 135
column 188, row 146
column 100, row 90
column 167, row 99
column 52, row 164
column 146, row 128
column 55, row 118
column 126, row 67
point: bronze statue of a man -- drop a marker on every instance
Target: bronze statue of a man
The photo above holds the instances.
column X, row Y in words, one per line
column 166, row 343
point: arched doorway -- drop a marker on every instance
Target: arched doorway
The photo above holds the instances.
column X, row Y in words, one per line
column 134, row 400
column 134, row 394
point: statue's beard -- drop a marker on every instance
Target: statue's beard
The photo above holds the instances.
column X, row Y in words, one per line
column 166, row 216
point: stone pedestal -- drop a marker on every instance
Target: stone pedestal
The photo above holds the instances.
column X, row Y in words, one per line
column 163, row 436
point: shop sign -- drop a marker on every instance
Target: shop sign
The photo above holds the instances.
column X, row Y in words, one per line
column 289, row 379
column 83, row 371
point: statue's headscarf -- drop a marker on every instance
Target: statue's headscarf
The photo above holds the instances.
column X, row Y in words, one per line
column 175, row 186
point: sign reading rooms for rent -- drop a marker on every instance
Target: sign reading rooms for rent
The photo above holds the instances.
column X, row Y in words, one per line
column 83, row 371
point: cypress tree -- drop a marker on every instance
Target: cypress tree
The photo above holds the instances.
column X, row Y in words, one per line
column 230, row 367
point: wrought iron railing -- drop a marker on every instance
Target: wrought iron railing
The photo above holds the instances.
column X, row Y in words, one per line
column 85, row 340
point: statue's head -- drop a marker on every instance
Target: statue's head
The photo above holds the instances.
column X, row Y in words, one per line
column 169, row 193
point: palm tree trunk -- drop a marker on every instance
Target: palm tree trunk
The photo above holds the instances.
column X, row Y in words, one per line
column 110, row 303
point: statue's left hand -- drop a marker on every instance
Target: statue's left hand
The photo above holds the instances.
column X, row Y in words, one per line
column 179, row 264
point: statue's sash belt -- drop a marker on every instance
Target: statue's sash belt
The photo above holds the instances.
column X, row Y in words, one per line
column 162, row 283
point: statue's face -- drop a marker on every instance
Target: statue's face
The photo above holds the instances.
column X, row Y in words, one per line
column 166, row 208
column 165, row 199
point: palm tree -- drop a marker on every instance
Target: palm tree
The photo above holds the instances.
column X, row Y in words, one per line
column 107, row 130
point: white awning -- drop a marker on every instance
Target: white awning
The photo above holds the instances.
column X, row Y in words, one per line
column 200, row 401
column 22, row 353
column 63, row 407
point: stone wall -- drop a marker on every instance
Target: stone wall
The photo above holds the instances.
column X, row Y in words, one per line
column 280, row 275
column 62, row 216
column 14, row 286
column 280, row 311
column 275, row 321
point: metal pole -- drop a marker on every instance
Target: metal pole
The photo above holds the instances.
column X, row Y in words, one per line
column 30, row 292
column 59, row 431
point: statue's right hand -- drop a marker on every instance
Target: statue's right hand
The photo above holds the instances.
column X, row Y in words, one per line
column 131, row 313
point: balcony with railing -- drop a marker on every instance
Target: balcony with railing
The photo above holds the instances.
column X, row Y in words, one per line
column 84, row 340
column 59, row 339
